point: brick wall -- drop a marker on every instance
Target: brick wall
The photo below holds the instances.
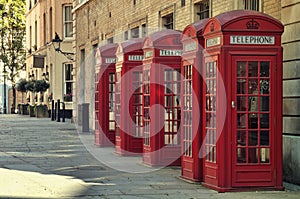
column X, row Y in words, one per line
column 96, row 21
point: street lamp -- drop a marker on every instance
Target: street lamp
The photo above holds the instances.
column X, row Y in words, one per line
column 56, row 43
column 4, row 78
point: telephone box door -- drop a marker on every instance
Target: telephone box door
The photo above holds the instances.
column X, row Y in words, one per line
column 253, row 121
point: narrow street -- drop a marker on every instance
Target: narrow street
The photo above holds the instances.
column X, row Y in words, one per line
column 44, row 159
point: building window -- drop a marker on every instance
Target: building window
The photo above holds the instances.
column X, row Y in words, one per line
column 67, row 21
column 50, row 23
column 35, row 35
column 201, row 10
column 45, row 28
column 144, row 30
column 251, row 5
column 110, row 40
column 134, row 2
column 30, row 38
column 167, row 21
column 134, row 32
column 126, row 35
column 68, row 80
column 182, row 3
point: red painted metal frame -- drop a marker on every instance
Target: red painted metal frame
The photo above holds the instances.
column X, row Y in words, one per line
column 225, row 174
column 105, row 65
column 129, row 65
column 193, row 42
column 155, row 151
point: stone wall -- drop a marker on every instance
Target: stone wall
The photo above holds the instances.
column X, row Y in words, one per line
column 290, row 17
column 96, row 21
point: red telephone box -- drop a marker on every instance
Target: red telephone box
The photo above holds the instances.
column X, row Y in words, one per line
column 161, row 80
column 104, row 95
column 193, row 42
column 129, row 98
column 243, row 102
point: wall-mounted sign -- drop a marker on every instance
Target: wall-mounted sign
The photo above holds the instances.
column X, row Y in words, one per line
column 135, row 57
column 110, row 60
column 190, row 46
column 148, row 54
column 213, row 41
column 256, row 40
column 38, row 61
column 170, row 52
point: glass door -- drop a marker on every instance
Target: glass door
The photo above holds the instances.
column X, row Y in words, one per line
column 252, row 121
column 187, row 111
column 172, row 107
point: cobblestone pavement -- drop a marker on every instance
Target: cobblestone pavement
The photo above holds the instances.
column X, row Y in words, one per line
column 44, row 159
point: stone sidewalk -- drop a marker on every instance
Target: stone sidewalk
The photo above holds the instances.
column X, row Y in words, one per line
column 44, row 159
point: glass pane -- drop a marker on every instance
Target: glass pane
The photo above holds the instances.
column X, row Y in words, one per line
column 253, row 121
column 253, row 138
column 241, row 155
column 111, row 115
column 166, row 139
column 253, row 69
column 264, row 69
column 166, row 126
column 252, row 84
column 241, row 69
column 241, row 86
column 111, row 126
column 241, row 138
column 68, row 72
column 264, row 86
column 241, row 121
column 253, row 103
column 253, row 155
column 264, row 103
column 264, row 121
column 175, row 140
column 265, row 155
column 264, row 138
column 242, row 103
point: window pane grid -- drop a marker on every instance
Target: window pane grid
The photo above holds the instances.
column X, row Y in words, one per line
column 111, row 101
column 172, row 106
column 187, row 111
column 117, row 102
column 146, row 106
column 68, row 21
column 251, row 5
column 168, row 21
column 210, row 127
column 253, row 113
column 137, row 103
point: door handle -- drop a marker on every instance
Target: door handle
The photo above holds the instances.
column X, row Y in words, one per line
column 232, row 104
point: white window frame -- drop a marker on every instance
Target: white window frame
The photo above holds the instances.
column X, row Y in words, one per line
column 197, row 9
column 166, row 23
column 67, row 81
column 65, row 22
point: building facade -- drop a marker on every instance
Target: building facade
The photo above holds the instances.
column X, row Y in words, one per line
column 101, row 22
column 45, row 19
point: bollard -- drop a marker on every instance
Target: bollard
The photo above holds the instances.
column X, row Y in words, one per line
column 63, row 112
column 55, row 110
column 58, row 111
column 52, row 111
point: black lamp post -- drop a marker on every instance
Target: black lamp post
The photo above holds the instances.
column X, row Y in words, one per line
column 4, row 104
column 56, row 43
